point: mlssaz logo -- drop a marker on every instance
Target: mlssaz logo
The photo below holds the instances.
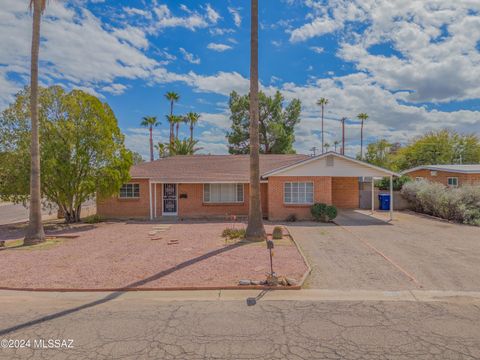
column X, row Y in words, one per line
column 53, row 343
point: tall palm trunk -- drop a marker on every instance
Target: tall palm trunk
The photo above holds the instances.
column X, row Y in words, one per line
column 151, row 144
column 323, row 142
column 361, row 141
column 171, row 124
column 35, row 233
column 176, row 130
column 191, row 132
column 255, row 230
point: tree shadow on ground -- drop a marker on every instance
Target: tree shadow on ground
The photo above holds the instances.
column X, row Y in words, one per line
column 116, row 294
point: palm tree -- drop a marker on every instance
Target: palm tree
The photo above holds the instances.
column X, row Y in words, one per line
column 322, row 102
column 335, row 144
column 150, row 122
column 192, row 119
column 327, row 146
column 173, row 97
column 178, row 121
column 255, row 230
column 35, row 233
column 184, row 147
column 362, row 117
column 342, row 120
column 162, row 150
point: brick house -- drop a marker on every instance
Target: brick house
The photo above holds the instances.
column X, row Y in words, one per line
column 448, row 175
column 200, row 186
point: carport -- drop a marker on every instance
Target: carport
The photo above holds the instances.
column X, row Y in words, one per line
column 334, row 177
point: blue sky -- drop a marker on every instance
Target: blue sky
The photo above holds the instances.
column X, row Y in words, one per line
column 412, row 65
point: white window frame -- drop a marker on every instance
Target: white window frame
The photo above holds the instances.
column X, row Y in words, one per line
column 418, row 178
column 451, row 178
column 133, row 185
column 299, row 183
column 238, row 199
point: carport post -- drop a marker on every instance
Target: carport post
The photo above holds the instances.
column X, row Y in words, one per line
column 391, row 197
column 150, row 198
column 373, row 194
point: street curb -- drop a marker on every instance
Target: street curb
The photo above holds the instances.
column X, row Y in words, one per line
column 179, row 288
column 309, row 268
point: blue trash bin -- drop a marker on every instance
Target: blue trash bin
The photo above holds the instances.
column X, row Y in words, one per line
column 384, row 200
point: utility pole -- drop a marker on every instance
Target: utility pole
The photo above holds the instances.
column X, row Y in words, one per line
column 314, row 150
column 342, row 120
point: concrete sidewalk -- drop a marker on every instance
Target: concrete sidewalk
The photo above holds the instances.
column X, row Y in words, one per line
column 11, row 297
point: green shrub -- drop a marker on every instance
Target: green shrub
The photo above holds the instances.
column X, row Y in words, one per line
column 318, row 211
column 456, row 204
column 93, row 219
column 331, row 212
column 231, row 233
column 277, row 232
column 323, row 212
column 398, row 182
column 291, row 218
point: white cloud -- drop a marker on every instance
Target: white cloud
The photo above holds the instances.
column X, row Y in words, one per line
column 165, row 19
column 189, row 57
column 237, row 19
column 317, row 49
column 433, row 44
column 218, row 47
column 212, row 15
column 115, row 89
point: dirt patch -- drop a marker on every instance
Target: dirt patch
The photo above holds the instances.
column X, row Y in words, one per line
column 147, row 255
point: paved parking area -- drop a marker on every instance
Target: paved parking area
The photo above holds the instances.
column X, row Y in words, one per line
column 366, row 252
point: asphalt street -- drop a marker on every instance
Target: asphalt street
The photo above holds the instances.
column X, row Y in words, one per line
column 144, row 326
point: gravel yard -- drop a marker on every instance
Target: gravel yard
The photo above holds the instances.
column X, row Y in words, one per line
column 144, row 255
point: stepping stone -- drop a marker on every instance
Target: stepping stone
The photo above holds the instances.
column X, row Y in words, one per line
column 156, row 238
column 152, row 233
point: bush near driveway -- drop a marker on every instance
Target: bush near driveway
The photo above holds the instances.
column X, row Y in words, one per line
column 323, row 212
column 457, row 204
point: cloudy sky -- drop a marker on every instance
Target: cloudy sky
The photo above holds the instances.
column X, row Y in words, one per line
column 412, row 65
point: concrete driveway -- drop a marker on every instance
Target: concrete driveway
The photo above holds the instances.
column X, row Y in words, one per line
column 412, row 252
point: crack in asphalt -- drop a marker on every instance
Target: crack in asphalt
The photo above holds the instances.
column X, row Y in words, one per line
column 268, row 330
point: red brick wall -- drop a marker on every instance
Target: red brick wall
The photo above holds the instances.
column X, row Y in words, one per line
column 114, row 207
column 277, row 210
column 345, row 192
column 193, row 205
column 442, row 176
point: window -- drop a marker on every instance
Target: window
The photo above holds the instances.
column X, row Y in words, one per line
column 298, row 193
column 130, row 191
column 418, row 178
column 223, row 193
column 452, row 181
column 433, row 173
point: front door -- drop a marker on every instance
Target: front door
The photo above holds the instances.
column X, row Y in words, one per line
column 169, row 199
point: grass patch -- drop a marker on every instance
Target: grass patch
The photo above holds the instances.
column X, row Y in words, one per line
column 93, row 219
column 18, row 245
column 232, row 234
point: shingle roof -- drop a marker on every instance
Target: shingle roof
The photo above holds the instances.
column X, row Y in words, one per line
column 209, row 168
column 467, row 169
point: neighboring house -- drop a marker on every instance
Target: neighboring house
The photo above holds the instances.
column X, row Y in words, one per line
column 217, row 185
column 448, row 175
